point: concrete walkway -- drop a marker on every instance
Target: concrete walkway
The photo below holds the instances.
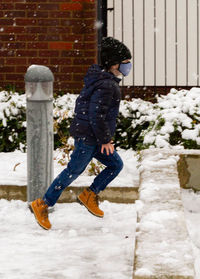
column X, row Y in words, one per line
column 163, row 248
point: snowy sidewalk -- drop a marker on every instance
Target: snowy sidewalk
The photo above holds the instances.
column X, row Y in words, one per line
column 163, row 247
column 78, row 246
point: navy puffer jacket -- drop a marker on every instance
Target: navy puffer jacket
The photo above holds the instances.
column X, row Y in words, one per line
column 97, row 107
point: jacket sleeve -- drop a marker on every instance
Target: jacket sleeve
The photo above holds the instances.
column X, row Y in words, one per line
column 98, row 108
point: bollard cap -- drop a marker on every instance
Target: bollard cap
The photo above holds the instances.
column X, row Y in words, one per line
column 38, row 73
column 39, row 83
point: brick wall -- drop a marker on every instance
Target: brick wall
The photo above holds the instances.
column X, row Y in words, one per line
column 59, row 34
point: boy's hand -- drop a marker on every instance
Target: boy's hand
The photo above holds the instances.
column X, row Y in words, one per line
column 109, row 147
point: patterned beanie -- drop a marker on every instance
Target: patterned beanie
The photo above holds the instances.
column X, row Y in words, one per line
column 113, row 52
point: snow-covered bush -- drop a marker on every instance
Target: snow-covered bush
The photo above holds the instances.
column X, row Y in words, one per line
column 173, row 120
column 12, row 121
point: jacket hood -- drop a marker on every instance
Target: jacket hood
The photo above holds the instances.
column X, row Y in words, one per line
column 96, row 73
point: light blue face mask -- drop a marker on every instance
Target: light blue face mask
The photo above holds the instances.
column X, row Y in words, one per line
column 125, row 68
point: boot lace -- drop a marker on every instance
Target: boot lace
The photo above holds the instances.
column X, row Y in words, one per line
column 44, row 212
column 96, row 200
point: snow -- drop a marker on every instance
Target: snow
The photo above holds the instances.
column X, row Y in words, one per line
column 79, row 245
column 191, row 203
column 13, row 169
column 161, row 220
column 83, row 246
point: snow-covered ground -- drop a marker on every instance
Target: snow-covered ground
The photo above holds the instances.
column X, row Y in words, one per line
column 79, row 244
column 13, row 170
column 191, row 203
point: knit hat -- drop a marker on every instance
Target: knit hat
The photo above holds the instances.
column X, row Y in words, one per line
column 113, row 52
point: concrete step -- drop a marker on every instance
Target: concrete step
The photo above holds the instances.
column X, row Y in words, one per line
column 113, row 194
column 163, row 248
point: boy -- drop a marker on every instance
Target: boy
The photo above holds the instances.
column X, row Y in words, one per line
column 93, row 127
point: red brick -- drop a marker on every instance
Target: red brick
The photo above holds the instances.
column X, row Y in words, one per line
column 17, row 45
column 83, row 61
column 72, row 69
column 89, row 22
column 60, row 45
column 79, row 45
column 71, row 37
column 78, row 77
column 14, row 77
column 19, row 85
column 91, row 37
column 37, row 1
column 26, row 53
column 90, row 46
column 90, row 14
column 48, row 37
column 89, row 6
column 48, row 7
column 7, row 53
column 14, row 14
column 72, row 22
column 2, row 61
column 7, row 69
column 48, row 22
column 6, row 6
column 38, row 14
column 37, row 45
column 61, row 77
column 48, row 53
column 71, row 6
column 60, row 14
column 36, row 29
column 27, row 37
column 21, row 69
column 74, row 53
column 13, row 29
column 59, row 30
column 63, row 1
column 16, row 61
column 2, row 77
column 77, row 14
column 38, row 61
column 90, row 53
column 71, row 85
column 60, row 61
column 25, row 6
column 6, row 21
column 89, row 30
column 25, row 21
column 89, row 1
column 4, row 37
column 55, row 69
column 10, row 1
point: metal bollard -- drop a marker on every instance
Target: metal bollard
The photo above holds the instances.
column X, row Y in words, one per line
column 39, row 116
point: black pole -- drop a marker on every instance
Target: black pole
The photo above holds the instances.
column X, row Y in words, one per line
column 101, row 18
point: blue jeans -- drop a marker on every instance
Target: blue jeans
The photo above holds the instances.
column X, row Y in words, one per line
column 80, row 158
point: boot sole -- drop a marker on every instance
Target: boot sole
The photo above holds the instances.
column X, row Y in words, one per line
column 81, row 203
column 32, row 210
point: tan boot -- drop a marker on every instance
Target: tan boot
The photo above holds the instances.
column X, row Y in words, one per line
column 40, row 210
column 90, row 200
